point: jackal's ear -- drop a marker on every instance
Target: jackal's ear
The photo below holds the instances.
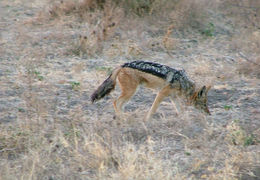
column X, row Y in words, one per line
column 202, row 92
column 208, row 88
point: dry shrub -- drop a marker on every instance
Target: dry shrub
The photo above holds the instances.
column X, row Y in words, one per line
column 13, row 142
column 250, row 68
column 133, row 49
column 190, row 14
column 122, row 162
column 136, row 7
column 237, row 164
column 115, row 49
column 168, row 42
column 70, row 7
column 140, row 163
column 245, row 13
column 247, row 41
column 99, row 155
column 20, row 140
column 128, row 48
column 145, row 7
column 101, row 22
column 238, row 136
column 62, row 8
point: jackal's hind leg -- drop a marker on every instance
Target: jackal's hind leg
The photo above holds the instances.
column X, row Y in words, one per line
column 128, row 87
column 159, row 97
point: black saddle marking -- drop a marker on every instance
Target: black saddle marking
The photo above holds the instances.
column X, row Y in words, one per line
column 159, row 70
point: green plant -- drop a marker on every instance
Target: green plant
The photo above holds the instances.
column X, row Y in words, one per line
column 21, row 109
column 75, row 85
column 71, row 133
column 187, row 153
column 209, row 30
column 38, row 75
column 227, row 107
column 249, row 140
column 238, row 136
column 76, row 51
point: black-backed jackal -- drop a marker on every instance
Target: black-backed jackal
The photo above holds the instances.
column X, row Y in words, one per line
column 169, row 81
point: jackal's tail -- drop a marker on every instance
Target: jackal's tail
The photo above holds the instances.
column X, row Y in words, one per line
column 106, row 87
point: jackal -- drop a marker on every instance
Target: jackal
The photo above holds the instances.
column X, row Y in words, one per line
column 169, row 81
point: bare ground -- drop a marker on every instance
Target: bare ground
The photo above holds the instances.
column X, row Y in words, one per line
column 50, row 130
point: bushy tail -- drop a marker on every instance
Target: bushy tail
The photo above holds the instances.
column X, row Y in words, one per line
column 106, row 87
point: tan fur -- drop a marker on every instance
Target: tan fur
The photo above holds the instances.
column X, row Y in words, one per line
column 129, row 79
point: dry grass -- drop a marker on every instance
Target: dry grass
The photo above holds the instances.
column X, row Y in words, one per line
column 189, row 14
column 54, row 59
column 250, row 68
column 245, row 13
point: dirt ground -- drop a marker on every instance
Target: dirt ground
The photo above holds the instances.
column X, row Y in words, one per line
column 50, row 130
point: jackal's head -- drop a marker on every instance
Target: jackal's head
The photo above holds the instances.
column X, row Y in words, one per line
column 200, row 99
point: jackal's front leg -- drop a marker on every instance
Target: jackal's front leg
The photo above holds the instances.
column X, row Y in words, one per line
column 175, row 102
column 159, row 97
